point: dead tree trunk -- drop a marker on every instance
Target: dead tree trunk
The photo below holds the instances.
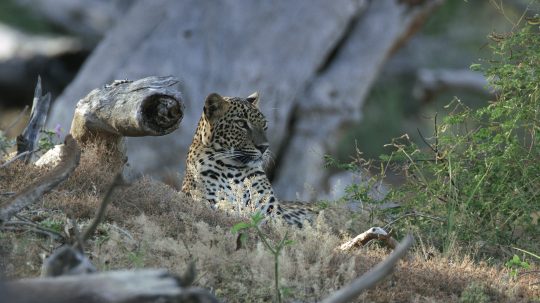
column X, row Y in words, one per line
column 333, row 100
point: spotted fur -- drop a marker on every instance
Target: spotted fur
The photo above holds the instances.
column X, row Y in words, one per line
column 229, row 148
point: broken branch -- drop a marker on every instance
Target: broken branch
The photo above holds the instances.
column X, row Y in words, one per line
column 29, row 195
column 28, row 140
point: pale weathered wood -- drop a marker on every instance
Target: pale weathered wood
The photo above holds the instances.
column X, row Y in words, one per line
column 150, row 106
column 333, row 100
column 28, row 140
column 312, row 61
column 374, row 233
column 69, row 161
column 140, row 286
column 230, row 47
column 146, row 107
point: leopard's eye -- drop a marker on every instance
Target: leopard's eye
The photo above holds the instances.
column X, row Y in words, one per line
column 265, row 127
column 243, row 124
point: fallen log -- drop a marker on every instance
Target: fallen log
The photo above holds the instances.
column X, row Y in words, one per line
column 140, row 286
column 146, row 107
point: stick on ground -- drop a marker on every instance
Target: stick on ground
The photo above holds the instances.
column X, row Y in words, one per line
column 69, row 161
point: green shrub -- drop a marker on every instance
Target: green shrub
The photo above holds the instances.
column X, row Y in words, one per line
column 474, row 293
column 478, row 180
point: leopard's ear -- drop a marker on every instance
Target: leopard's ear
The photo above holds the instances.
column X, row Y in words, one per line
column 254, row 99
column 215, row 106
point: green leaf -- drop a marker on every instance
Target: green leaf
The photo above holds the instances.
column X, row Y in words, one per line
column 475, row 67
column 256, row 218
column 240, row 226
column 288, row 242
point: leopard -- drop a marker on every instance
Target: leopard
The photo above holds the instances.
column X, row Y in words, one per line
column 230, row 149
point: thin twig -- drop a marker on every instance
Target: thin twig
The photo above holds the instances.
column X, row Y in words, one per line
column 410, row 215
column 27, row 222
column 21, row 155
column 437, row 155
column 78, row 236
column 530, row 272
column 100, row 213
column 23, row 225
column 29, row 195
column 425, row 141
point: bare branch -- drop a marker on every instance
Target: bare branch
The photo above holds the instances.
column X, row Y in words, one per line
column 369, row 279
column 413, row 214
column 24, row 154
column 100, row 213
column 20, row 225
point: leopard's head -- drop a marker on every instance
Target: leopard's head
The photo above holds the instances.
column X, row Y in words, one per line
column 235, row 129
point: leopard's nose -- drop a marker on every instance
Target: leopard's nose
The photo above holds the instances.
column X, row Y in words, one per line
column 262, row 147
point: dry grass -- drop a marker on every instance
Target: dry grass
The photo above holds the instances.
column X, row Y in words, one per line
column 149, row 224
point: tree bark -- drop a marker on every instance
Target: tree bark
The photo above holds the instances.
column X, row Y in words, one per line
column 333, row 100
column 146, row 107
column 28, row 140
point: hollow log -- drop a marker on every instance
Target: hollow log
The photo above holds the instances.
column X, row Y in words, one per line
column 140, row 286
column 146, row 107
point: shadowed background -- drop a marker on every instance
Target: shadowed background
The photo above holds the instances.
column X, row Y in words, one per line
column 333, row 75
